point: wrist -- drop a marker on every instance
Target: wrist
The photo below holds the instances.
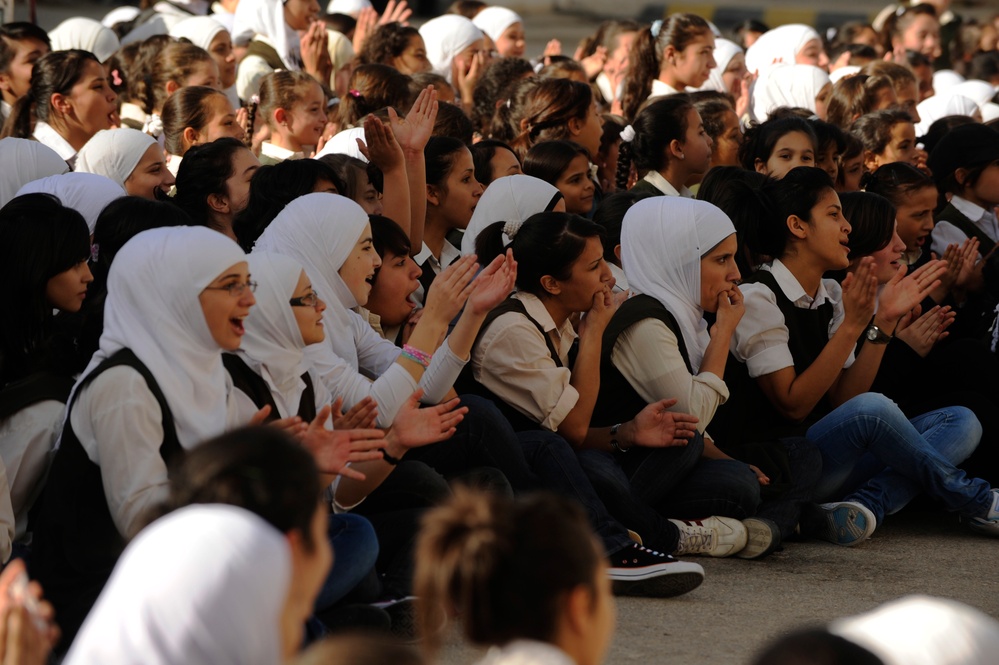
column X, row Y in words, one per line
column 393, row 448
column 885, row 325
column 626, row 435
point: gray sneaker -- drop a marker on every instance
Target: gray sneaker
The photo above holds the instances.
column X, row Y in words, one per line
column 763, row 538
column 847, row 523
column 711, row 536
column 988, row 525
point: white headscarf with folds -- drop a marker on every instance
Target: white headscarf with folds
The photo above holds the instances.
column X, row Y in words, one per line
column 933, row 108
column 199, row 30
column 725, row 50
column 85, row 34
column 319, row 231
column 86, row 193
column 778, row 46
column 266, row 18
column 513, row 199
column 787, row 85
column 114, row 153
column 25, row 161
column 494, row 20
column 662, row 241
column 273, row 346
column 445, row 37
column 205, row 584
column 153, row 309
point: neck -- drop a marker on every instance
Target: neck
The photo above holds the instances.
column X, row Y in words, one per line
column 434, row 233
column 669, row 78
column 556, row 310
column 970, row 197
column 222, row 224
column 675, row 174
column 807, row 271
column 284, row 139
column 73, row 133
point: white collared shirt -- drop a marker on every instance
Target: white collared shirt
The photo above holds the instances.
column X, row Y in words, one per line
column 657, row 180
column 47, row 136
column 511, row 359
column 660, row 88
column 449, row 254
column 945, row 233
column 276, row 152
column 761, row 339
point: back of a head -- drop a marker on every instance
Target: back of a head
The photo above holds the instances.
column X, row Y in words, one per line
column 503, row 565
column 660, row 122
column 203, row 172
column 610, row 214
column 815, row 647
column 360, row 649
column 493, row 88
column 872, row 221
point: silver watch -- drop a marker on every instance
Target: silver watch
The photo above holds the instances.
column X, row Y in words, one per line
column 876, row 336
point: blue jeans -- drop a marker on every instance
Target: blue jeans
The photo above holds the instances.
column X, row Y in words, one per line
column 873, row 455
column 355, row 549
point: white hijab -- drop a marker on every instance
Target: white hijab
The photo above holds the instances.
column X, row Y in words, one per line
column 86, row 193
column 266, row 19
column 153, row 309
column 319, row 231
column 445, row 37
column 787, row 85
column 85, row 34
column 512, row 199
column 933, row 108
column 114, row 153
column 944, row 80
column 33, row 160
column 345, row 143
column 977, row 91
column 273, row 346
column 204, row 584
column 662, row 241
column 347, row 7
column 778, row 46
column 494, row 20
column 199, row 30
column 725, row 50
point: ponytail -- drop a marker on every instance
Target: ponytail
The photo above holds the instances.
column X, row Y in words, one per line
column 646, row 144
column 540, row 110
column 55, row 73
column 623, row 175
column 21, row 120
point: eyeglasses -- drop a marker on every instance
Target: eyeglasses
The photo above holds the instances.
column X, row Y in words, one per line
column 236, row 289
column 310, row 300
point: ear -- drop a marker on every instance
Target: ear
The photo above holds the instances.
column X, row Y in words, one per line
column 190, row 137
column 61, row 103
column 870, row 161
column 218, row 203
column 617, row 252
column 578, row 610
column 171, row 87
column 961, row 176
column 798, row 227
column 280, row 116
column 675, row 149
column 575, row 126
column 551, row 285
column 669, row 56
column 760, row 166
column 433, row 195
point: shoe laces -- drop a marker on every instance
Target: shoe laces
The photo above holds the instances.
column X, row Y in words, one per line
column 696, row 537
column 642, row 548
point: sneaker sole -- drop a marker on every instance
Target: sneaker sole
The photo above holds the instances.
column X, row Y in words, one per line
column 850, row 533
column 668, row 581
column 763, row 538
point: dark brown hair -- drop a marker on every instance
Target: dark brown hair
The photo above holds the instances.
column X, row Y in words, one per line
column 540, row 110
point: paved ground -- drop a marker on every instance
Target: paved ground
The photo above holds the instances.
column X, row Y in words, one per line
column 744, row 604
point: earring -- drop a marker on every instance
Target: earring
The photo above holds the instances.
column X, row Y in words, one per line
column 683, row 157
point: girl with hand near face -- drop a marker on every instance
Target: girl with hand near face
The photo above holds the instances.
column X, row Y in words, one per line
column 69, row 101
column 130, row 158
column 798, row 371
column 457, row 51
column 680, row 258
column 176, row 299
column 668, row 58
column 668, row 140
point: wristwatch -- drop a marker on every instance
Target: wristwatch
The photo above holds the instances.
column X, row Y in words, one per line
column 615, row 444
column 876, row 336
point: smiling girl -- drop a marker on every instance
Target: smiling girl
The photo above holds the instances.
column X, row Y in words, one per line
column 667, row 58
column 194, row 116
column 130, row 158
column 293, row 105
column 888, row 136
column 68, row 102
column 567, row 166
column 776, row 146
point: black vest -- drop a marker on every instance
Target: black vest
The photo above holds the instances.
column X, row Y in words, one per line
column 748, row 415
column 76, row 543
column 617, row 400
column 32, row 389
column 259, row 392
column 466, row 383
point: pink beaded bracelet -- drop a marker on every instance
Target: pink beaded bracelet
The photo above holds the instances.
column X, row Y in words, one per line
column 417, row 356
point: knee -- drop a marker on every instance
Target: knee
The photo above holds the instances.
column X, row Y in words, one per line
column 968, row 430
column 600, row 467
column 741, row 484
column 805, row 461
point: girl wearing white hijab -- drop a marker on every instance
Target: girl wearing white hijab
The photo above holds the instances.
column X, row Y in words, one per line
column 787, row 44
column 510, row 199
column 86, row 193
column 87, row 35
column 156, row 386
column 130, row 158
column 34, row 160
column 940, row 106
column 802, row 86
column 330, row 237
column 217, row 599
column 207, row 33
column 505, row 29
column 452, row 43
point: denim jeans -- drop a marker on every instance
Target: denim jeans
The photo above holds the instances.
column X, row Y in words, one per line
column 355, row 549
column 643, row 487
column 530, row 461
column 873, row 455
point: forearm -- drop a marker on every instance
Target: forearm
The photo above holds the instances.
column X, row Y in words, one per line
column 809, row 387
column 465, row 332
column 395, row 199
column 416, row 173
column 716, row 354
column 575, row 427
column 860, row 376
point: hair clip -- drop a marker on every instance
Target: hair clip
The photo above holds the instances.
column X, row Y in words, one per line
column 255, row 99
column 95, row 250
column 508, row 103
column 511, row 228
column 115, row 77
column 657, row 25
column 356, row 94
column 628, row 134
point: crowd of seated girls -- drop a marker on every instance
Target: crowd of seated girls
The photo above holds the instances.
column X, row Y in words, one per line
column 347, row 294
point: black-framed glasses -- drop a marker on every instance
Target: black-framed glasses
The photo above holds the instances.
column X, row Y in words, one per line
column 236, row 289
column 310, row 300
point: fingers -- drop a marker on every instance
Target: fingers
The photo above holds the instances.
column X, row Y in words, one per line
column 364, row 456
column 348, row 472
column 319, row 422
column 260, row 417
column 665, row 404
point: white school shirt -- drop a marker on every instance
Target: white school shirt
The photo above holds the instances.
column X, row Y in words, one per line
column 620, row 279
column 526, row 652
column 246, row 409
column 659, row 88
column 120, row 426
column 761, row 338
column 27, row 443
column 945, row 233
column 656, row 179
column 50, row 138
column 376, row 357
column 449, row 254
column 276, row 152
column 512, row 360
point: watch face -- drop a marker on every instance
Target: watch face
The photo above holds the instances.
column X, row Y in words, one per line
column 872, row 334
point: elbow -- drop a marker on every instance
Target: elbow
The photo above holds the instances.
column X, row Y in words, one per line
column 574, row 435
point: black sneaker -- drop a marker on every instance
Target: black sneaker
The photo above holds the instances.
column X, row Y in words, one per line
column 637, row 571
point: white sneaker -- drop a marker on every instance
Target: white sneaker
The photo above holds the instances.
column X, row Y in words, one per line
column 988, row 525
column 711, row 536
